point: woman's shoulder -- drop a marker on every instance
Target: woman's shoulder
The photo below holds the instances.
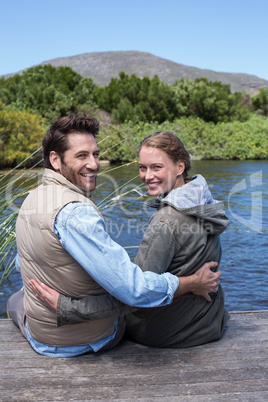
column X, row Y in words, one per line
column 168, row 215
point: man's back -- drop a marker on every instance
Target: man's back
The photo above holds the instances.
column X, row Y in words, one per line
column 42, row 256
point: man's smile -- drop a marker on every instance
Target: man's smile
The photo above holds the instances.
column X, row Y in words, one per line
column 88, row 174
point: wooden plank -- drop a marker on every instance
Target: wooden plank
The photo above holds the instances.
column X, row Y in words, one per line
column 146, row 359
column 116, row 376
column 234, row 369
column 67, row 391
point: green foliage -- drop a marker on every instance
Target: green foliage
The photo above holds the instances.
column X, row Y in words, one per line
column 260, row 102
column 232, row 140
column 124, row 111
column 247, row 140
column 53, row 92
column 210, row 101
column 20, row 135
column 211, row 120
column 120, row 141
column 46, row 90
column 136, row 99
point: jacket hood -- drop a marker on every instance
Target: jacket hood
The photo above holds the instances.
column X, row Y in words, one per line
column 195, row 199
column 194, row 193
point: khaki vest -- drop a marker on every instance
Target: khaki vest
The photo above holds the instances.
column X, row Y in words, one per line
column 42, row 257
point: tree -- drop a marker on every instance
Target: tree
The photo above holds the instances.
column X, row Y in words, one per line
column 52, row 92
column 136, row 99
column 209, row 100
column 124, row 111
column 260, row 102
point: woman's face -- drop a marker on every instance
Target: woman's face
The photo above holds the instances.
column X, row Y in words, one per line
column 158, row 172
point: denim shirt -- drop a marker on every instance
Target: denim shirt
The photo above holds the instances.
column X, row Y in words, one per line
column 81, row 231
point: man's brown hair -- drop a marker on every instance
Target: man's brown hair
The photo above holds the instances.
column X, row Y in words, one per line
column 56, row 138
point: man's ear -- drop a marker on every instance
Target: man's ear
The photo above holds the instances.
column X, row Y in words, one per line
column 181, row 167
column 55, row 161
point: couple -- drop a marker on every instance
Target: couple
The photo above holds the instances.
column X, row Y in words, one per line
column 62, row 242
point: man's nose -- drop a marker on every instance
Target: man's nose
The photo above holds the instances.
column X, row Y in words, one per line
column 92, row 163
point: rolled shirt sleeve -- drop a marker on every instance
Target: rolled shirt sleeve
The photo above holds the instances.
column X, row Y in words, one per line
column 81, row 231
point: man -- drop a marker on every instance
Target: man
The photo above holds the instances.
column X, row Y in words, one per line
column 62, row 241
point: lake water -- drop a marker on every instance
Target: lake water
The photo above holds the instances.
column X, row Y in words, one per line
column 241, row 185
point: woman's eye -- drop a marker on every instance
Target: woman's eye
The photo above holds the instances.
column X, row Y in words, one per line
column 142, row 168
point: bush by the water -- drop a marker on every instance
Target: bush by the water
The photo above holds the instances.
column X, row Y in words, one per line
column 20, row 135
column 233, row 140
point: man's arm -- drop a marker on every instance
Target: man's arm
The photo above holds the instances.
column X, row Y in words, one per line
column 73, row 311
column 201, row 283
column 81, row 231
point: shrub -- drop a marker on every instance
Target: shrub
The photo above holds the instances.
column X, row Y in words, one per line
column 233, row 140
column 20, row 135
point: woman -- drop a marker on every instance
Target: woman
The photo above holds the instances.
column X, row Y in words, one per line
column 182, row 235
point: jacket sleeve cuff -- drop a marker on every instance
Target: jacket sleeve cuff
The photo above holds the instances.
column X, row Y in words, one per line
column 62, row 310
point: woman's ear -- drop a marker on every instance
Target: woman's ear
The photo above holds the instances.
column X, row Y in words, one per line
column 55, row 161
column 181, row 167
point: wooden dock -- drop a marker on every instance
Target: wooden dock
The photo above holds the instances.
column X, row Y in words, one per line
column 232, row 369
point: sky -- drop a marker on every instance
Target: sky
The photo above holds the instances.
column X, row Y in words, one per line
column 226, row 35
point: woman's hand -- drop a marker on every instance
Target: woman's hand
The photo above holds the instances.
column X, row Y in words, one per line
column 46, row 294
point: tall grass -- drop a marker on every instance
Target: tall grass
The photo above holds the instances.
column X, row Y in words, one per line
column 15, row 185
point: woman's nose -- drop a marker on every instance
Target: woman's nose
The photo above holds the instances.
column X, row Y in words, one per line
column 149, row 174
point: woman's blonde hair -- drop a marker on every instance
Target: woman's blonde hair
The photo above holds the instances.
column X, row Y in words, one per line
column 172, row 145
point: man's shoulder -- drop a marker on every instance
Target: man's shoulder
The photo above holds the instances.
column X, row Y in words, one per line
column 78, row 207
column 78, row 210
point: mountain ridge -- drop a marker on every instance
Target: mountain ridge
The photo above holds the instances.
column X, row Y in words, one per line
column 102, row 66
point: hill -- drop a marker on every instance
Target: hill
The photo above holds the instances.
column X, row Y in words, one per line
column 102, row 66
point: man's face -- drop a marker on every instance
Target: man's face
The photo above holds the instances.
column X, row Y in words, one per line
column 80, row 163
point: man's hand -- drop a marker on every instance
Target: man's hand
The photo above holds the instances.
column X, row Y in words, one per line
column 206, row 281
column 46, row 294
column 201, row 283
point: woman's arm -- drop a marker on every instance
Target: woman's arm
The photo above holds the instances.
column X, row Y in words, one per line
column 72, row 311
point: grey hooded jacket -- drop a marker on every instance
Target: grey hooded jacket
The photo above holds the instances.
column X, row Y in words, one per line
column 182, row 235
